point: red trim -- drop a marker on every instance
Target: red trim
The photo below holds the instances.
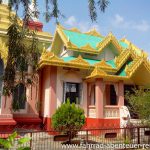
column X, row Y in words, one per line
column 102, row 123
column 47, row 122
column 7, row 121
column 90, row 123
column 28, row 120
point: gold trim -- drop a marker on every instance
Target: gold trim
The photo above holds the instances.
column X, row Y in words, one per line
column 79, row 61
column 49, row 56
column 75, row 30
column 93, row 32
column 109, row 39
column 87, row 47
column 98, row 71
column 103, row 64
column 71, row 45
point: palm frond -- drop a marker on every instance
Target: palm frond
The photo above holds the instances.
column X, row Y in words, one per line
column 92, row 10
column 103, row 4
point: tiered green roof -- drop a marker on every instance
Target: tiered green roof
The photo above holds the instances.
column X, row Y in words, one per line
column 81, row 39
column 90, row 61
column 85, row 46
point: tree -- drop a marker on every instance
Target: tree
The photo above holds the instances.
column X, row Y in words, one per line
column 68, row 118
column 19, row 55
column 140, row 104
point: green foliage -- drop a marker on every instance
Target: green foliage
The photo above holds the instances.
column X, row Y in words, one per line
column 10, row 142
column 20, row 55
column 140, row 104
column 68, row 117
column 127, row 140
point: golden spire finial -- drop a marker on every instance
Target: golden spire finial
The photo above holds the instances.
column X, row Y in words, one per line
column 110, row 34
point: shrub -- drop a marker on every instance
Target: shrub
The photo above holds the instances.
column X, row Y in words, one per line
column 68, row 118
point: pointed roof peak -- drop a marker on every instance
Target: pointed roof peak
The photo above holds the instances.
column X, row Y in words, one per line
column 93, row 32
column 59, row 26
column 75, row 30
column 110, row 34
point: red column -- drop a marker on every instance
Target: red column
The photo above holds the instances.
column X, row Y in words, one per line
column 121, row 93
column 99, row 95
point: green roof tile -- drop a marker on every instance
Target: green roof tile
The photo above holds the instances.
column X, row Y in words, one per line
column 81, row 39
column 122, row 73
column 122, row 70
column 111, row 63
column 124, row 45
column 90, row 61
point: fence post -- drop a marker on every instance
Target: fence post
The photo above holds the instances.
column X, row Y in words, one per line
column 125, row 133
column 31, row 140
column 87, row 139
column 86, row 135
column 138, row 132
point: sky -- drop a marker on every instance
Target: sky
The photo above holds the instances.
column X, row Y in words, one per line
column 124, row 18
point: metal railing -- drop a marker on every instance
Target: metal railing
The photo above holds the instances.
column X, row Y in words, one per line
column 52, row 140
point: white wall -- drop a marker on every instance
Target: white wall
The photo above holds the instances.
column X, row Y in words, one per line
column 68, row 76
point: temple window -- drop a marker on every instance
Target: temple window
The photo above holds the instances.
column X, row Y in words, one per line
column 92, row 101
column 1, row 74
column 72, row 91
column 19, row 97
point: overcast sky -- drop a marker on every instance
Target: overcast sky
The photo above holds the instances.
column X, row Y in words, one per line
column 125, row 18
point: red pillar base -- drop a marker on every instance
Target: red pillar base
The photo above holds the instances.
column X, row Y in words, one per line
column 7, row 124
column 28, row 122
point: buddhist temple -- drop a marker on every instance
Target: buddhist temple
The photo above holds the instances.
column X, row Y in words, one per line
column 90, row 69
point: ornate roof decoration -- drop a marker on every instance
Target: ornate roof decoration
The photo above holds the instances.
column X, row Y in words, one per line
column 75, row 30
column 109, row 39
column 97, row 72
column 147, row 64
column 49, row 56
column 46, row 55
column 103, row 64
column 80, row 61
column 71, row 45
column 94, row 33
column 120, row 60
column 3, row 51
column 60, row 26
column 88, row 47
column 133, row 47
column 130, row 70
